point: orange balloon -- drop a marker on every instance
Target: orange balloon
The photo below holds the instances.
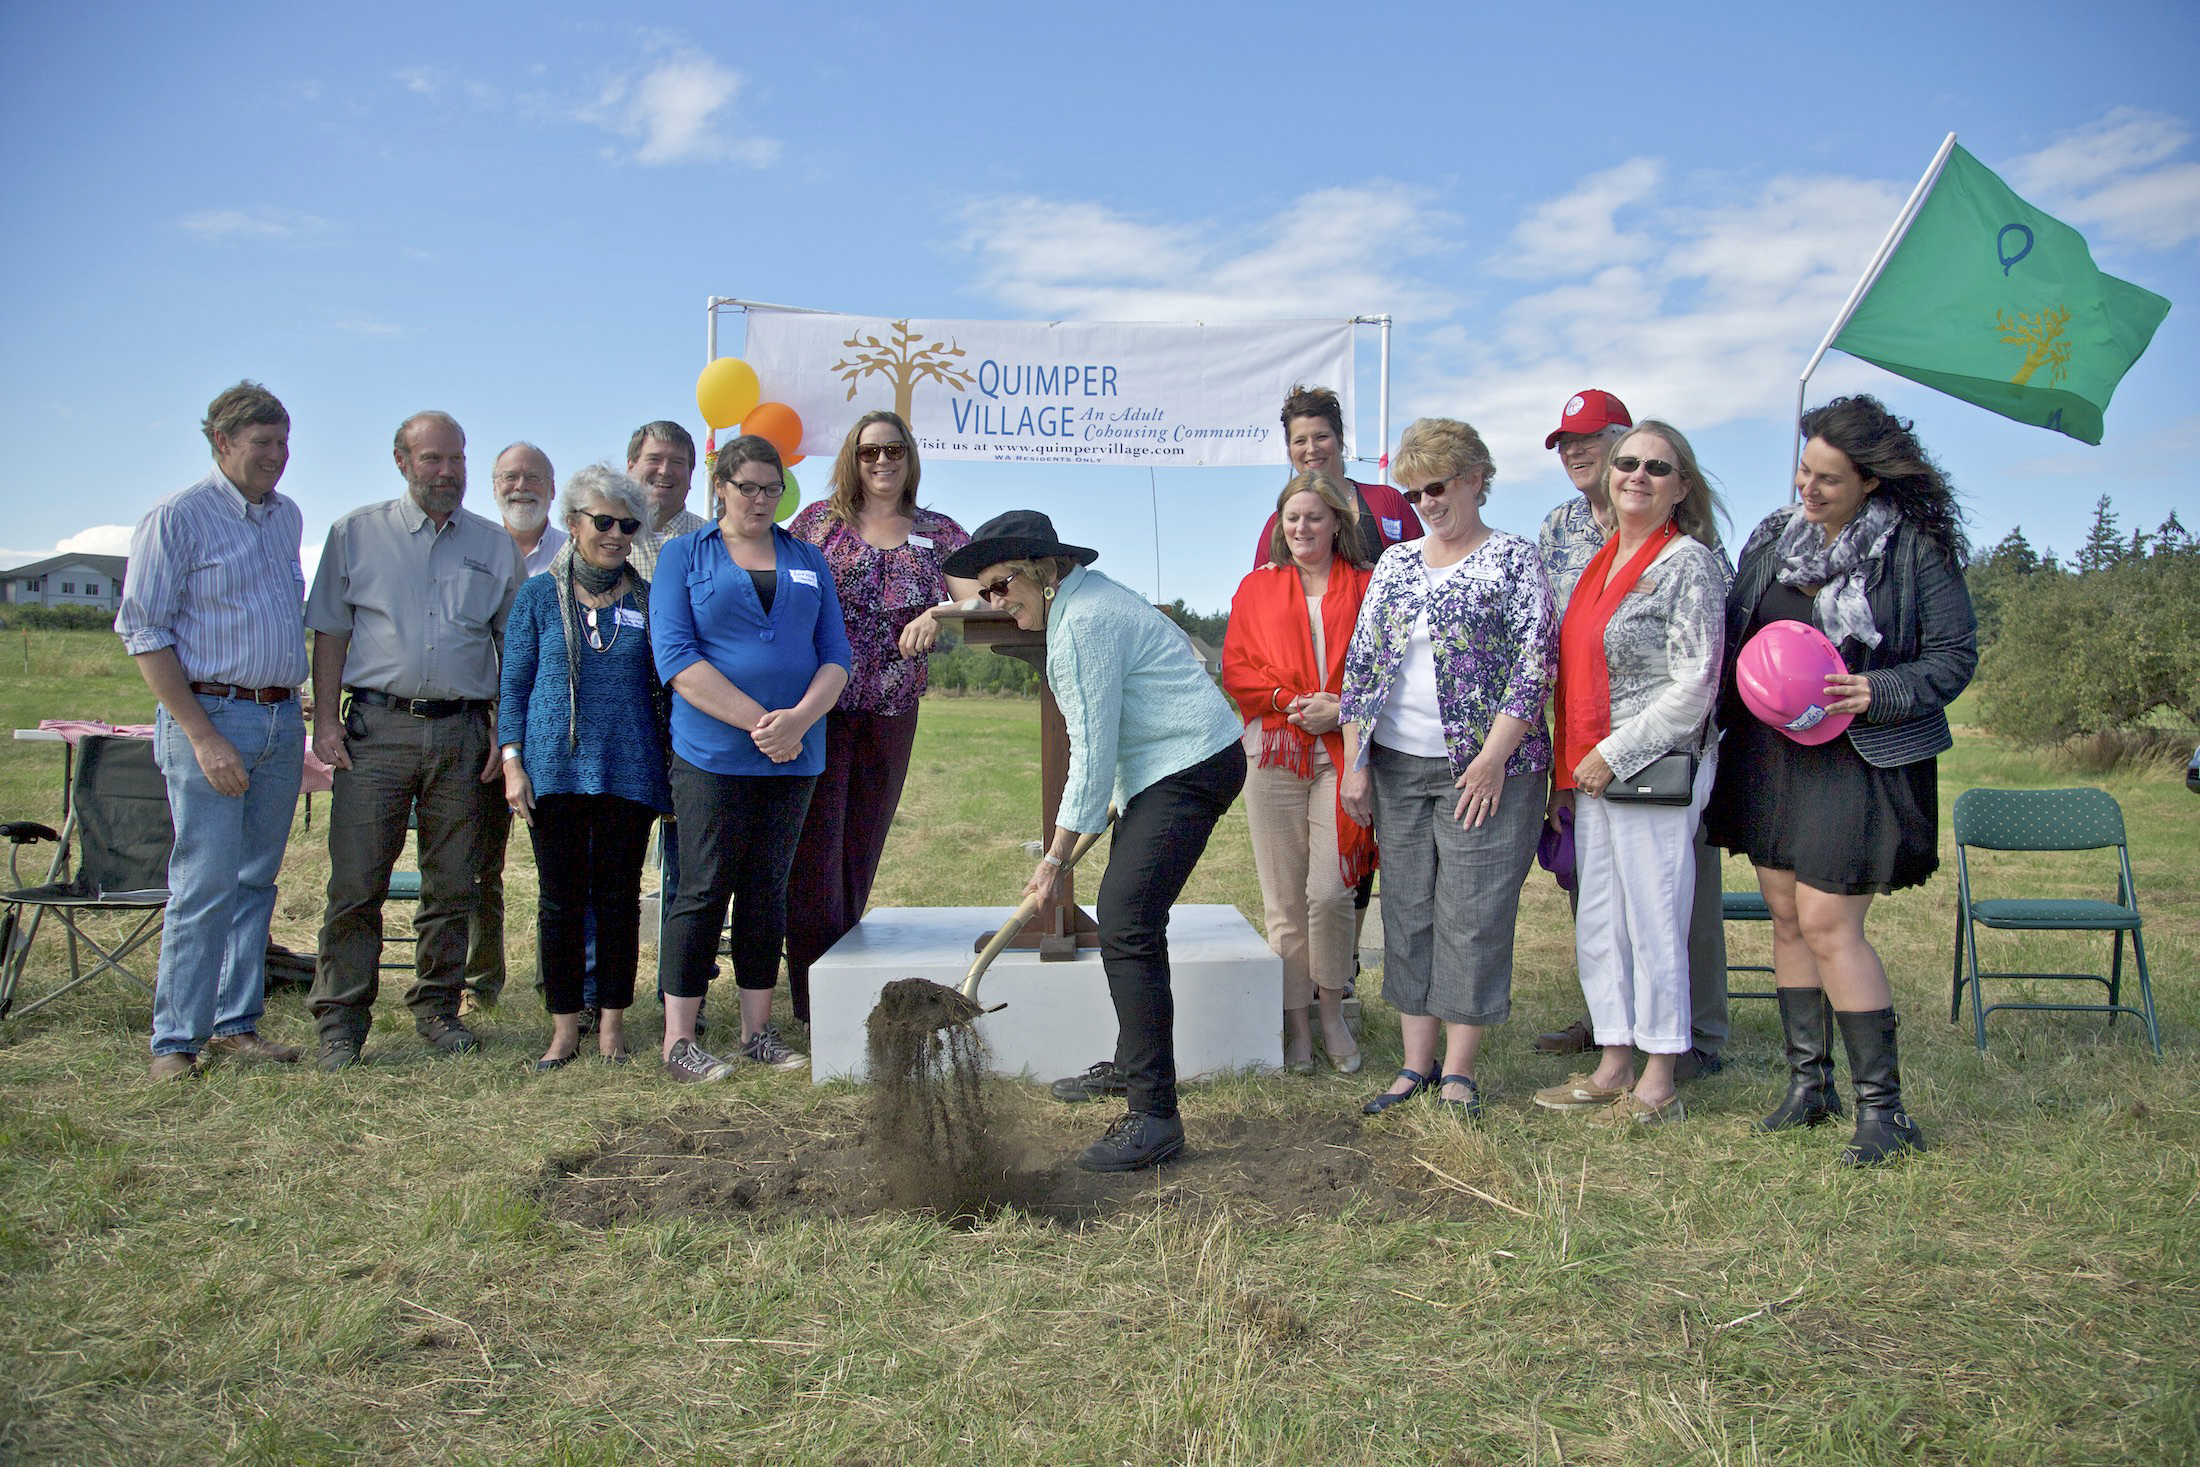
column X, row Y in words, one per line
column 791, row 459
column 726, row 391
column 778, row 423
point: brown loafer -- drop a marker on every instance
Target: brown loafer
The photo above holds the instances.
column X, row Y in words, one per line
column 1575, row 1038
column 249, row 1045
column 174, row 1066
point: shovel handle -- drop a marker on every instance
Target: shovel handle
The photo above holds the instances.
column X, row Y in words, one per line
column 1025, row 911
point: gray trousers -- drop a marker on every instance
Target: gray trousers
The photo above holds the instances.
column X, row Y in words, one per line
column 400, row 766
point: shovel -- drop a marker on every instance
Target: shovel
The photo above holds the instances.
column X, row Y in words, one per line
column 1025, row 911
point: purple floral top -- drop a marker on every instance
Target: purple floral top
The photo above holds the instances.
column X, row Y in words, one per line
column 882, row 591
column 1494, row 635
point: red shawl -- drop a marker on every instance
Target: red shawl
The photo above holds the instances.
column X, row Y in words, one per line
column 1268, row 659
column 1584, row 677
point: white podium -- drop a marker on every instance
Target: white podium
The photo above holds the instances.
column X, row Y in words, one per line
column 1058, row 1019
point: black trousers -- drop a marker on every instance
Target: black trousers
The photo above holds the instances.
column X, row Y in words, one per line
column 738, row 834
column 588, row 854
column 1157, row 842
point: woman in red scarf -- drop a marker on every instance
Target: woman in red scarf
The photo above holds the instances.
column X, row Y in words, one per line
column 1283, row 663
column 1638, row 673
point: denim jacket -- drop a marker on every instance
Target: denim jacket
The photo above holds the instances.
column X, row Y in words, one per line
column 1928, row 642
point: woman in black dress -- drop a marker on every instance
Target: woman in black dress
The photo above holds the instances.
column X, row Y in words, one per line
column 1873, row 556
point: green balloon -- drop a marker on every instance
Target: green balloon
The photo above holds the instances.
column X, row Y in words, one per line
column 790, row 499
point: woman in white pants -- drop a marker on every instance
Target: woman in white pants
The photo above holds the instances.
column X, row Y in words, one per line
column 1638, row 670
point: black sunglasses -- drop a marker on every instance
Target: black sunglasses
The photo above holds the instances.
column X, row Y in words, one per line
column 1429, row 491
column 894, row 452
column 998, row 589
column 1656, row 468
column 604, row 522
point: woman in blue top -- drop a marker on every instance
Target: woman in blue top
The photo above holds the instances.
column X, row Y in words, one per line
column 747, row 631
column 584, row 752
column 1149, row 728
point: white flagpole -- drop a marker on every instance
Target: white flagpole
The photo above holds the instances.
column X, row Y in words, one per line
column 1887, row 247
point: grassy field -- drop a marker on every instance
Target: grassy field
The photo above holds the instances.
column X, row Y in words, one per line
column 276, row 1266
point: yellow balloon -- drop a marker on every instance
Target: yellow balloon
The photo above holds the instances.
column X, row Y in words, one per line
column 790, row 499
column 726, row 390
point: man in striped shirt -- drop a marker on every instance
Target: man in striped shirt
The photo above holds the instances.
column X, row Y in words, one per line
column 212, row 609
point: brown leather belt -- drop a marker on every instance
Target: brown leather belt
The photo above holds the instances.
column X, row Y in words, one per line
column 245, row 695
column 417, row 707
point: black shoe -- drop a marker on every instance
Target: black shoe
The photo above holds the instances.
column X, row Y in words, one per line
column 1694, row 1064
column 448, row 1035
column 1807, row 1020
column 1101, row 1082
column 1135, row 1142
column 1884, row 1129
column 338, row 1053
column 1471, row 1107
column 1387, row 1099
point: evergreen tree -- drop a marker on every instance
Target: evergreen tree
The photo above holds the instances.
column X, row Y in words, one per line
column 2014, row 554
column 2172, row 538
column 2104, row 543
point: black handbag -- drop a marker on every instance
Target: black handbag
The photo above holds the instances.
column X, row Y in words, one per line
column 1669, row 779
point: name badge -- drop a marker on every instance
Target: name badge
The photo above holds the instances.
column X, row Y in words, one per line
column 920, row 542
column 803, row 577
column 629, row 617
column 1392, row 529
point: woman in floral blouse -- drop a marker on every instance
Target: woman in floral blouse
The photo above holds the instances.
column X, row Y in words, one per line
column 1444, row 689
column 885, row 554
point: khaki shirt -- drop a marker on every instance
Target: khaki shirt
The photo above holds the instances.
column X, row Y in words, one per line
column 644, row 555
column 424, row 608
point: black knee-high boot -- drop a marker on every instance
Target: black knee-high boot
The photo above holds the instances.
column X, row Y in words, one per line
column 1883, row 1127
column 1811, row 1098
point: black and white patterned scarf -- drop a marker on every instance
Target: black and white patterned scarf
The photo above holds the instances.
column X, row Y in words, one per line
column 1839, row 569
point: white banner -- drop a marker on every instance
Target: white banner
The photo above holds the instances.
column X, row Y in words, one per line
column 1083, row 392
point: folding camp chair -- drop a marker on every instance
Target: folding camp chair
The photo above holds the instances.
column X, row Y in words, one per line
column 2046, row 820
column 1745, row 906
column 119, row 829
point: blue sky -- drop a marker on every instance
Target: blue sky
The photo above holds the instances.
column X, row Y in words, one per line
column 515, row 213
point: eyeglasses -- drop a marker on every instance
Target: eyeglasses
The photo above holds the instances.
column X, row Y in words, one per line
column 1428, row 491
column 1656, row 468
column 511, row 481
column 996, row 592
column 604, row 522
column 756, row 491
column 894, row 452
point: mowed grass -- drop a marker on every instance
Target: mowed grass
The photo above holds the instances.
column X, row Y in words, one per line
column 275, row 1266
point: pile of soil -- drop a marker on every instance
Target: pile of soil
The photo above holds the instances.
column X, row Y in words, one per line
column 819, row 1162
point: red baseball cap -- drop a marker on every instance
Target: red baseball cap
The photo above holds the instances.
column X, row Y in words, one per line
column 1590, row 412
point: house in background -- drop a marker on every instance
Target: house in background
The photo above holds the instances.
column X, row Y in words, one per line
column 66, row 580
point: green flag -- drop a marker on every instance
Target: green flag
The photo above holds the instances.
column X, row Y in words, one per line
column 1992, row 301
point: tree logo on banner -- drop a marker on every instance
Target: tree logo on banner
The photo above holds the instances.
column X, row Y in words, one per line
column 2040, row 335
column 893, row 358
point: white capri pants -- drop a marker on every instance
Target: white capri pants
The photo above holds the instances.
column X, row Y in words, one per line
column 1637, row 866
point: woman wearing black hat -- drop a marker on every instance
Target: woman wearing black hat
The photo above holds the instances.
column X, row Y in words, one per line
column 1148, row 729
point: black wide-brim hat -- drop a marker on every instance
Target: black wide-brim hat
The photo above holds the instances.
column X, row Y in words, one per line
column 1020, row 534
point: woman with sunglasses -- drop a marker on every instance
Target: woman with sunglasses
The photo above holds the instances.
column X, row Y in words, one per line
column 1148, row 730
column 582, row 715
column 1871, row 554
column 1447, row 757
column 1638, row 669
column 1283, row 661
column 885, row 553
column 748, row 632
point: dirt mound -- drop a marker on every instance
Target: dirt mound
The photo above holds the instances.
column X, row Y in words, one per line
column 817, row 1163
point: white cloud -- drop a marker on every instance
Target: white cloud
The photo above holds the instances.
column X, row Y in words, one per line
column 98, row 540
column 1331, row 252
column 679, row 108
column 369, row 327
column 2118, row 179
column 1576, row 232
column 263, row 222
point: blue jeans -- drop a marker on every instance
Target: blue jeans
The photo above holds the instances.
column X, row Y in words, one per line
column 221, row 875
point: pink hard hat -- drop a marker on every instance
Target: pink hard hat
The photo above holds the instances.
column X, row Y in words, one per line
column 1783, row 676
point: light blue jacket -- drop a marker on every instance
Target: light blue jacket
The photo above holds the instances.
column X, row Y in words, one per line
column 1138, row 701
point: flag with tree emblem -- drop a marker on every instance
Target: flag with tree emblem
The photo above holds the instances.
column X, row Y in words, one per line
column 1988, row 299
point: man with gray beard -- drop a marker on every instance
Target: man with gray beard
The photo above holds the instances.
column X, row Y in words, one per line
column 522, row 484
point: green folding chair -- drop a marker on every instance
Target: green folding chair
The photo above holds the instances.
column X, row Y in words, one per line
column 2046, row 820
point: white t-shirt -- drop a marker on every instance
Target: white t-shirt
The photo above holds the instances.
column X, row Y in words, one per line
column 1411, row 722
